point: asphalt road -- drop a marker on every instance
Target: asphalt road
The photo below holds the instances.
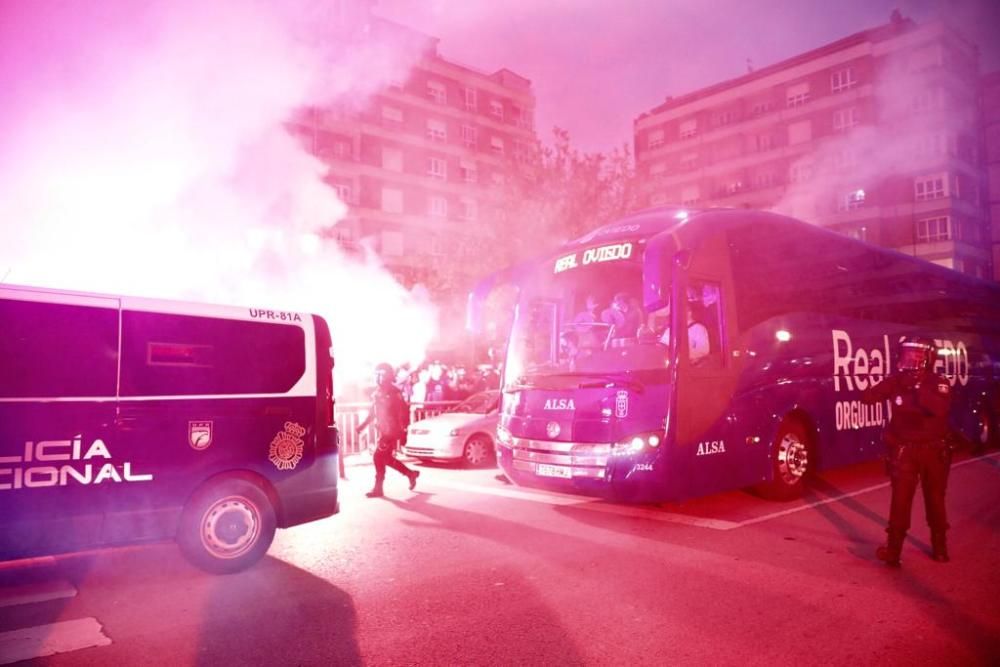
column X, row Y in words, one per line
column 469, row 571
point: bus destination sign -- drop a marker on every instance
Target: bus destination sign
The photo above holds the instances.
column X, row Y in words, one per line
column 605, row 253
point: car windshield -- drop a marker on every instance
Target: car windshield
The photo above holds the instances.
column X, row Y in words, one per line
column 480, row 403
column 581, row 321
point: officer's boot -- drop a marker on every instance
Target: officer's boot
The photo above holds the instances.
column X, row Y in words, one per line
column 939, row 546
column 889, row 552
column 376, row 492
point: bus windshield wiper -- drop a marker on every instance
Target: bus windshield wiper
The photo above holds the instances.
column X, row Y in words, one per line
column 607, row 380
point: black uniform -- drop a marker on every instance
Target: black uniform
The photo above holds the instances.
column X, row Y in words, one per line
column 918, row 448
column 391, row 416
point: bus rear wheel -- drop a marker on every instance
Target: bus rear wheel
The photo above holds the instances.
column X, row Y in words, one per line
column 227, row 526
column 790, row 463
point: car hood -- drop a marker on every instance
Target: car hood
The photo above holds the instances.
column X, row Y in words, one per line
column 451, row 420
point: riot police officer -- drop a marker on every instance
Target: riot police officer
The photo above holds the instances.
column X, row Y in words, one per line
column 391, row 415
column 918, row 445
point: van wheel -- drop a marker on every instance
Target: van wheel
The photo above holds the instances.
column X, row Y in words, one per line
column 790, row 463
column 227, row 526
column 478, row 450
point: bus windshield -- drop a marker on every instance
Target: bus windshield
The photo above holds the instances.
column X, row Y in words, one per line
column 583, row 325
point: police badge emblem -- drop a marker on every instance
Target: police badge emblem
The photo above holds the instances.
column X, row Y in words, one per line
column 200, row 435
column 286, row 448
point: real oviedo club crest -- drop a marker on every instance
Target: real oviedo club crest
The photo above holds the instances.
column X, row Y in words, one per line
column 286, row 448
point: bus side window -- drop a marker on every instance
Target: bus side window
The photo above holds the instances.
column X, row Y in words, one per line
column 705, row 336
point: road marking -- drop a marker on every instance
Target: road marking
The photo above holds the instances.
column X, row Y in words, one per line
column 565, row 500
column 576, row 502
column 43, row 640
column 41, row 591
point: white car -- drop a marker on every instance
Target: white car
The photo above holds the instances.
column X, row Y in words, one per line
column 463, row 433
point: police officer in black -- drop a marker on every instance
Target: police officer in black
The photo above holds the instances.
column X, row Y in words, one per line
column 391, row 415
column 918, row 445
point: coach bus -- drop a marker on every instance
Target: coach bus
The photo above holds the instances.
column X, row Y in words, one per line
column 125, row 419
column 779, row 326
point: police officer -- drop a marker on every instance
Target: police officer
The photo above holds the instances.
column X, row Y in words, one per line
column 391, row 415
column 918, row 445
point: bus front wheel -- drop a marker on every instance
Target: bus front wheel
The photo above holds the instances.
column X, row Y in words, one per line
column 790, row 462
column 227, row 526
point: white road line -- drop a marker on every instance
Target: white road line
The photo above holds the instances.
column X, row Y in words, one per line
column 564, row 500
column 833, row 499
column 43, row 640
column 36, row 592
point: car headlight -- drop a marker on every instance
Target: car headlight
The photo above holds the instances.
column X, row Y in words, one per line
column 637, row 443
column 455, row 431
column 503, row 435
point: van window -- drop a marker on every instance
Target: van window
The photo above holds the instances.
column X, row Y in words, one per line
column 181, row 355
column 49, row 350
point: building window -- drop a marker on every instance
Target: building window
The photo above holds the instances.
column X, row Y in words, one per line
column 927, row 100
column 930, row 187
column 657, row 169
column 437, row 92
column 658, row 199
column 392, row 159
column 857, row 233
column 437, row 130
column 469, row 136
column 689, row 160
column 437, row 168
column 392, row 200
column 471, row 103
column 469, row 209
column 725, row 118
column 800, row 132
column 654, row 139
column 844, row 119
column 496, row 145
column 392, row 114
column 800, row 172
column 496, row 109
column 842, row 79
column 688, row 128
column 762, row 142
column 343, row 192
column 937, row 228
column 763, row 179
column 522, row 118
column 761, row 107
column 468, row 171
column 851, row 200
column 797, row 95
column 342, row 149
column 732, row 187
column 438, row 206
column 845, row 158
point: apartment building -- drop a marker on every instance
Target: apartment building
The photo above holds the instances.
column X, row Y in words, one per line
column 422, row 163
column 877, row 135
column 991, row 134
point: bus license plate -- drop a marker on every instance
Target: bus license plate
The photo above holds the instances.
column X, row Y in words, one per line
column 544, row 470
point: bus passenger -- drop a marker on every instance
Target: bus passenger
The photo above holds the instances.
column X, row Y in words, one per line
column 624, row 319
column 917, row 441
column 392, row 416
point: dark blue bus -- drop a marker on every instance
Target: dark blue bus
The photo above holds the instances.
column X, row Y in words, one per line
column 779, row 326
column 125, row 420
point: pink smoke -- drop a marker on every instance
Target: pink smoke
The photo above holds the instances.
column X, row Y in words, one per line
column 145, row 152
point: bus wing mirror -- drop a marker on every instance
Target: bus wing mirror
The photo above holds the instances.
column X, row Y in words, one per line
column 656, row 271
column 482, row 290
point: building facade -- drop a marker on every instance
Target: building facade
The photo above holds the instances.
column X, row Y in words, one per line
column 991, row 134
column 422, row 163
column 877, row 135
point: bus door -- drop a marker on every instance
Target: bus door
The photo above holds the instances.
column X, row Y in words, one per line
column 58, row 376
column 708, row 369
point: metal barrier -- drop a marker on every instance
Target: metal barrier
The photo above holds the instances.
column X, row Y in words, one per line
column 349, row 415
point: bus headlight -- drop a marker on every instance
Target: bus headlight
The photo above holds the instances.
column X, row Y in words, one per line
column 637, row 443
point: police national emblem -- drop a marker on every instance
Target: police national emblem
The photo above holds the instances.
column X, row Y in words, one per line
column 286, row 447
column 200, row 434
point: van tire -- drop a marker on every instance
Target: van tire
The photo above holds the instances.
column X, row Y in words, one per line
column 226, row 526
column 791, row 462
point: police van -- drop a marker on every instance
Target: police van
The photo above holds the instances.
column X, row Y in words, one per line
column 126, row 419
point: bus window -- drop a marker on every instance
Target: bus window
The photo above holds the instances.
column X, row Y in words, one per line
column 704, row 317
column 50, row 350
column 182, row 355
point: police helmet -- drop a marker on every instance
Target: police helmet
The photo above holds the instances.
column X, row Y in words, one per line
column 385, row 368
column 917, row 353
